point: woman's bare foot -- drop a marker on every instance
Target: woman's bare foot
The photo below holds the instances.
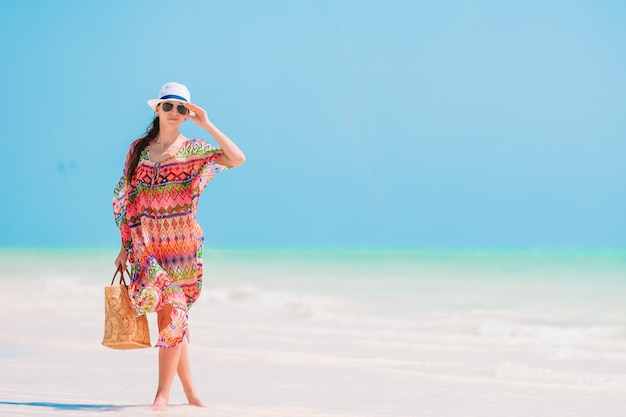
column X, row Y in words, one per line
column 159, row 404
column 195, row 400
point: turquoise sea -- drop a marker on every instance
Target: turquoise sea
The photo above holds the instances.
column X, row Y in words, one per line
column 531, row 319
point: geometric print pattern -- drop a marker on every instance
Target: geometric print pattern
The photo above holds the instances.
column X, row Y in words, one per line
column 156, row 214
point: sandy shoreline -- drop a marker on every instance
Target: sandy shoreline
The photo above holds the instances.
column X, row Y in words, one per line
column 246, row 364
column 260, row 352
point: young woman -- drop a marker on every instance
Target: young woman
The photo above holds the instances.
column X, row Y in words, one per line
column 155, row 205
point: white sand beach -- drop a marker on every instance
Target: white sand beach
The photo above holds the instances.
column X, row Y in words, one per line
column 284, row 335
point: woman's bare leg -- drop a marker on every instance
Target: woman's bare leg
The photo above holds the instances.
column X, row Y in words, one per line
column 168, row 363
column 184, row 373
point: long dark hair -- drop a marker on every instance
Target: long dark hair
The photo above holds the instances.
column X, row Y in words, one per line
column 151, row 132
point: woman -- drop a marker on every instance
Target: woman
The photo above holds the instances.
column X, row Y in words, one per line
column 155, row 206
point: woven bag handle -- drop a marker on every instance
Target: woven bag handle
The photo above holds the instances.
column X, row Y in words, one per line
column 121, row 271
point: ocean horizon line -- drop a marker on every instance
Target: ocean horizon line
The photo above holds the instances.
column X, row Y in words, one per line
column 346, row 250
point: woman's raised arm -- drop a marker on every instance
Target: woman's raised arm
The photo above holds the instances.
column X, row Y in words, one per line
column 231, row 155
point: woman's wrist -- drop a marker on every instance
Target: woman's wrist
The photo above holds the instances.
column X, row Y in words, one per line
column 208, row 126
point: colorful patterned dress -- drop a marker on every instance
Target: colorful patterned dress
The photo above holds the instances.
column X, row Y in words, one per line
column 156, row 214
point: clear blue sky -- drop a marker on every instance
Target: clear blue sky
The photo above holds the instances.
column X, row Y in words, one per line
column 366, row 124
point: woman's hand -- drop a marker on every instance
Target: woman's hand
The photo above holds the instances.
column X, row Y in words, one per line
column 120, row 261
column 200, row 117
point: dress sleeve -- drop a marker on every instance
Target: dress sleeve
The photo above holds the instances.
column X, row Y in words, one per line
column 209, row 168
column 120, row 202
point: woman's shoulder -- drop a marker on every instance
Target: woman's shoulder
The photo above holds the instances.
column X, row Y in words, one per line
column 197, row 142
column 197, row 145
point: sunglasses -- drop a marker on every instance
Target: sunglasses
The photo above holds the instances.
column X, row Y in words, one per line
column 167, row 107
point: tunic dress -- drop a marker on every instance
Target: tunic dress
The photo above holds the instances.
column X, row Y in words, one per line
column 156, row 215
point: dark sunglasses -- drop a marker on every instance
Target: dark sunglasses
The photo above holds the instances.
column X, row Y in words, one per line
column 169, row 106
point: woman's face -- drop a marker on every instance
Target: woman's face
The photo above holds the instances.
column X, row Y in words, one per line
column 169, row 112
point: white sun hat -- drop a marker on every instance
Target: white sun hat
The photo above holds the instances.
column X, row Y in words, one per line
column 171, row 92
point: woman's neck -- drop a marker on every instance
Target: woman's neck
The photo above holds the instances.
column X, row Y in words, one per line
column 167, row 137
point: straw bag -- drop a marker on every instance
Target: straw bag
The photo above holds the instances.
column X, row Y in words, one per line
column 122, row 328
